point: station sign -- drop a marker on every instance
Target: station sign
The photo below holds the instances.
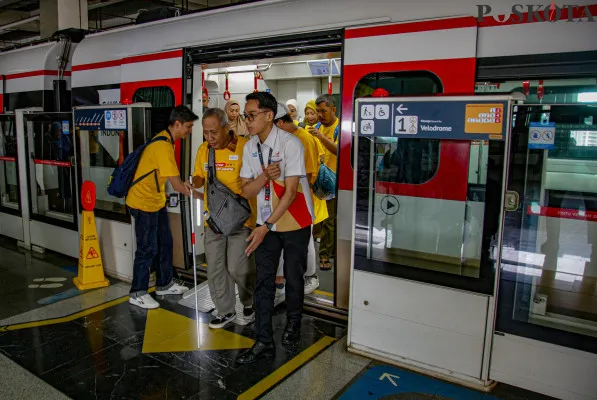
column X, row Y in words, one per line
column 103, row 119
column 467, row 119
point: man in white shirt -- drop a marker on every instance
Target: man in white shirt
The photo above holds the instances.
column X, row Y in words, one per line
column 273, row 170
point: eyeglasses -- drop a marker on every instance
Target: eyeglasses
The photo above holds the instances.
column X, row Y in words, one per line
column 251, row 117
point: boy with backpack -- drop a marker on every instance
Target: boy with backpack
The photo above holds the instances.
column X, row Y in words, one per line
column 153, row 164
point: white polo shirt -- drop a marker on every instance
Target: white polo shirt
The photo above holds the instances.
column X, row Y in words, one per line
column 289, row 150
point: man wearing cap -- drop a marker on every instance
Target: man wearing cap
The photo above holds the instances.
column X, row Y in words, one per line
column 273, row 170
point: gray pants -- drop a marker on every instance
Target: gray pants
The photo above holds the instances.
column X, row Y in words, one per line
column 227, row 265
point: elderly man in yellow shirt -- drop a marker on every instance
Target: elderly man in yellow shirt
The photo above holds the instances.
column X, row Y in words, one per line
column 227, row 263
column 327, row 132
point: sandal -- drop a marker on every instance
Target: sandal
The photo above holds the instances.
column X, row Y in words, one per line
column 325, row 265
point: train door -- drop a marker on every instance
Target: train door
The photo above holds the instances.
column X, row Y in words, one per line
column 430, row 179
column 11, row 223
column 105, row 136
column 294, row 67
column 546, row 328
column 48, row 176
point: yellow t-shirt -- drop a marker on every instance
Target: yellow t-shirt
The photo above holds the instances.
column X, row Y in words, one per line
column 328, row 132
column 312, row 162
column 157, row 156
column 228, row 164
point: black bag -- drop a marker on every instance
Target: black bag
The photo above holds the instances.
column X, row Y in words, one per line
column 228, row 211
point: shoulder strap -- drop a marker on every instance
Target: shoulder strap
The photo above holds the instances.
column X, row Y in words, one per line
column 158, row 139
column 336, row 131
column 211, row 164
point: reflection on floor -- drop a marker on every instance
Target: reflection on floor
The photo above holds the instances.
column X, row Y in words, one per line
column 96, row 345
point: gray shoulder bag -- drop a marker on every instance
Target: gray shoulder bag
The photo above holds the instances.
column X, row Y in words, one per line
column 228, row 211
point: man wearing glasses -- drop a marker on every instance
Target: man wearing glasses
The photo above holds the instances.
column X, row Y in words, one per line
column 273, row 170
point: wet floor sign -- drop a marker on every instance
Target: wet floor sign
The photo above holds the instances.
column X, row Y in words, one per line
column 91, row 268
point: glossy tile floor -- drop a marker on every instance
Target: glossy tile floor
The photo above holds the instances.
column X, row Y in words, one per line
column 58, row 343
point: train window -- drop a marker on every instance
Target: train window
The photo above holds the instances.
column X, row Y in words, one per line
column 49, row 139
column 161, row 96
column 9, row 175
column 101, row 152
column 549, row 261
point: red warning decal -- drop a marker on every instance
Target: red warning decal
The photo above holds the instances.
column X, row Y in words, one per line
column 92, row 254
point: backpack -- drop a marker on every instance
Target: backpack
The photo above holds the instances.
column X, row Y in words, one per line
column 228, row 211
column 122, row 177
column 324, row 186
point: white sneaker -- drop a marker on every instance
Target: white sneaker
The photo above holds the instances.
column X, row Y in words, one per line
column 173, row 290
column 311, row 283
column 145, row 301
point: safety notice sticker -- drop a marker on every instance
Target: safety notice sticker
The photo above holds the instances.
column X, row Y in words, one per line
column 115, row 119
column 542, row 135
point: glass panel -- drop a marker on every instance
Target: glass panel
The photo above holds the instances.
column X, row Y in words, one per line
column 415, row 223
column 158, row 96
column 9, row 171
column 101, row 152
column 548, row 256
column 50, row 140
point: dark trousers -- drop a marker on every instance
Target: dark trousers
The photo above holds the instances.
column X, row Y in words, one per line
column 267, row 256
column 154, row 242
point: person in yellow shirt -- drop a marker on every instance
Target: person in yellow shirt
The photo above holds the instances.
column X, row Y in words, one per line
column 312, row 120
column 284, row 121
column 327, row 132
column 146, row 200
column 227, row 263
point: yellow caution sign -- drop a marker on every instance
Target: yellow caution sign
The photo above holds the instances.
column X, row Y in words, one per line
column 91, row 268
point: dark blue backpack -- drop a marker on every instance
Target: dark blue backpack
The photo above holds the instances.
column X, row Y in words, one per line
column 121, row 180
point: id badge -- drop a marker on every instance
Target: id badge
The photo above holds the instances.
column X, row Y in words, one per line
column 266, row 212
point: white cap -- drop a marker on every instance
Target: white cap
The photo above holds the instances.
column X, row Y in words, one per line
column 282, row 111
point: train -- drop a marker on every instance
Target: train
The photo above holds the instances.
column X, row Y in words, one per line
column 436, row 234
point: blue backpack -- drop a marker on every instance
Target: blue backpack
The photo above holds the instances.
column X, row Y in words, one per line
column 122, row 177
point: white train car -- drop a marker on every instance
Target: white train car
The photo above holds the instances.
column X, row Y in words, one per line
column 430, row 279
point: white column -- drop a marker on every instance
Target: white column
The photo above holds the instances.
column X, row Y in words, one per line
column 56, row 15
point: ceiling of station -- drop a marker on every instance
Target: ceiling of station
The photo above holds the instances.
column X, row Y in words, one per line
column 20, row 19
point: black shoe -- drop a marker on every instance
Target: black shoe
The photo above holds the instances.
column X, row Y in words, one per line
column 292, row 334
column 256, row 352
column 222, row 320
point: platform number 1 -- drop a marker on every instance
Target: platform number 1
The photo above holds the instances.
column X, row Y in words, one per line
column 406, row 125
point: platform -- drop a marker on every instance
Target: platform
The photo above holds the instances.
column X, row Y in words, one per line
column 59, row 343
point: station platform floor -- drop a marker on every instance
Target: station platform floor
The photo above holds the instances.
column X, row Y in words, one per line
column 57, row 342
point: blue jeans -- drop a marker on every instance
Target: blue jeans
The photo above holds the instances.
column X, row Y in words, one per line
column 154, row 242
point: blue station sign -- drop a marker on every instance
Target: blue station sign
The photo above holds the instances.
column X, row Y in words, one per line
column 101, row 119
column 469, row 119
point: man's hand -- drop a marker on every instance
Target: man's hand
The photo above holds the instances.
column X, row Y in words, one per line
column 315, row 132
column 188, row 187
column 273, row 170
column 255, row 239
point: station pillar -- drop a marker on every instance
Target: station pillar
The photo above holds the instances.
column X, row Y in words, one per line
column 56, row 15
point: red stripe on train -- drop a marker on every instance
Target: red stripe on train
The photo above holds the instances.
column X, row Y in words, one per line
column 29, row 74
column 9, row 159
column 456, row 75
column 411, row 27
column 130, row 60
column 564, row 213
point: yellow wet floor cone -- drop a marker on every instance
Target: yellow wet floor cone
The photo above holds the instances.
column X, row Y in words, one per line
column 91, row 268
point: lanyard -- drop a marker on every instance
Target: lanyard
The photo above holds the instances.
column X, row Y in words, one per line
column 267, row 187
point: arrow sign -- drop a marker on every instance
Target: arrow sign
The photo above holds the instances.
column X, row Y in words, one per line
column 400, row 109
column 389, row 377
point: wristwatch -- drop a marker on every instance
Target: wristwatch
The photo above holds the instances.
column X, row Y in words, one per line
column 269, row 225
